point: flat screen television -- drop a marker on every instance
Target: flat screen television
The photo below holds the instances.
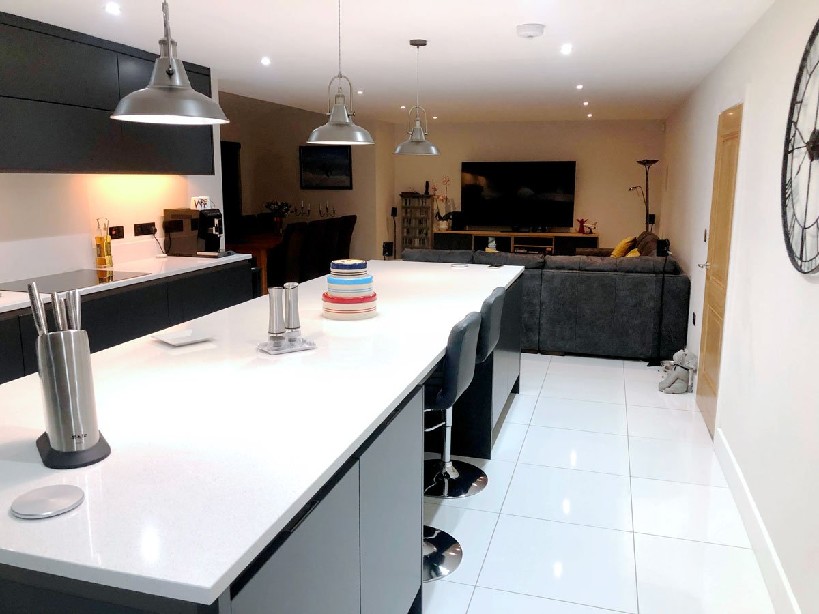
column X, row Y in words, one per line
column 518, row 195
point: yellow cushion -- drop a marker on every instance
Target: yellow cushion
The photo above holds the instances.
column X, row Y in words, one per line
column 635, row 253
column 623, row 247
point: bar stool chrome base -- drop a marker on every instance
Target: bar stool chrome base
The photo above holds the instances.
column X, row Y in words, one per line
column 453, row 480
column 442, row 554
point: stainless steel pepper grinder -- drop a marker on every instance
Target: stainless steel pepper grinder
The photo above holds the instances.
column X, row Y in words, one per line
column 275, row 329
column 292, row 324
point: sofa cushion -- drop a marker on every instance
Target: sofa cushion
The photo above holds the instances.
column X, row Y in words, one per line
column 647, row 244
column 649, row 265
column 623, row 247
column 564, row 263
column 461, row 256
column 528, row 261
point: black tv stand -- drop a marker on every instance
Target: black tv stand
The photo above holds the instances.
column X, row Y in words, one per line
column 553, row 243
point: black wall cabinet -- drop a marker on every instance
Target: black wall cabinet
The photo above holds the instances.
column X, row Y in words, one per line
column 58, row 89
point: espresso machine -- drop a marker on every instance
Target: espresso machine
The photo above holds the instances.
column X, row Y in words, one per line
column 189, row 232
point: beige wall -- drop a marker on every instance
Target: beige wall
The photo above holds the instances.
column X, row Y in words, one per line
column 270, row 135
column 606, row 153
column 768, row 410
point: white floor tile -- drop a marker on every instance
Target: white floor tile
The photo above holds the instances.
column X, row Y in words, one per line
column 687, row 511
column 577, row 386
column 589, row 371
column 658, row 423
column 489, row 601
column 491, row 498
column 588, row 361
column 510, row 439
column 674, row 461
column 580, row 497
column 471, row 528
column 446, row 597
column 575, row 450
column 582, row 565
column 580, row 415
column 682, row 577
column 532, row 374
column 644, row 392
column 521, row 409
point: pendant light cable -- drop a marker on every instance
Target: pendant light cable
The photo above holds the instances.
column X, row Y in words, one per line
column 339, row 40
column 417, row 79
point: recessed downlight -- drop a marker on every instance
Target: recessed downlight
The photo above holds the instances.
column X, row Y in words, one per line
column 566, row 49
column 360, row 92
column 434, row 117
column 590, row 116
column 113, row 8
column 403, row 106
column 585, row 103
column 265, row 61
column 579, row 86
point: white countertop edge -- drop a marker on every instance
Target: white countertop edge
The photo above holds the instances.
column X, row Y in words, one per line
column 181, row 265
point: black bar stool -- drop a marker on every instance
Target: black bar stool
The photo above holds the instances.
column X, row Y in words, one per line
column 441, row 552
column 454, row 479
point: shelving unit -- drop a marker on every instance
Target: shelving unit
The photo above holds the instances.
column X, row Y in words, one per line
column 416, row 221
column 548, row 243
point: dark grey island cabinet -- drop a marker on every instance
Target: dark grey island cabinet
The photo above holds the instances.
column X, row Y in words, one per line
column 354, row 548
column 58, row 89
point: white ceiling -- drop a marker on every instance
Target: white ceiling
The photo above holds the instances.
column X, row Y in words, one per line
column 636, row 58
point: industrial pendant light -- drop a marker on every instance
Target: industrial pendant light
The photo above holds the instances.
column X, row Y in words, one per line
column 169, row 97
column 417, row 143
column 340, row 129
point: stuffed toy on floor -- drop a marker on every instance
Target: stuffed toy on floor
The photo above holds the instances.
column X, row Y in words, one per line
column 678, row 380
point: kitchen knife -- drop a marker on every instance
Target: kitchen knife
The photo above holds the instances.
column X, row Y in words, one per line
column 37, row 309
column 58, row 304
column 73, row 311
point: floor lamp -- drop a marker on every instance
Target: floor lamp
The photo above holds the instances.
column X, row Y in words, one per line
column 647, row 164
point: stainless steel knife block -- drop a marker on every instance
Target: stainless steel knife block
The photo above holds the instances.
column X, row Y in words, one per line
column 72, row 438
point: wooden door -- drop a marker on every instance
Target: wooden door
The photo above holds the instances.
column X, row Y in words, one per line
column 716, row 275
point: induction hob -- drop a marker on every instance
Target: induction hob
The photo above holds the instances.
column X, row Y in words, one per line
column 73, row 280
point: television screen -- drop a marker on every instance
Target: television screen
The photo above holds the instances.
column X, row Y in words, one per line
column 518, row 195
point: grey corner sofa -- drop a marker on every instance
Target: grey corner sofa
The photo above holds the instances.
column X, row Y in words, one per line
column 599, row 306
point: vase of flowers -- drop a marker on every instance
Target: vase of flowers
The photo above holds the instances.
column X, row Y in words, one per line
column 279, row 211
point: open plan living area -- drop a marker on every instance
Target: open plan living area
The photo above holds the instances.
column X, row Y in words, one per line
column 358, row 307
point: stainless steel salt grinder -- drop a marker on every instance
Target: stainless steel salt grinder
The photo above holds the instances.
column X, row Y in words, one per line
column 292, row 324
column 275, row 328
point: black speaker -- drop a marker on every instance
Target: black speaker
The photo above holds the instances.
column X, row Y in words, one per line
column 394, row 212
column 458, row 222
column 663, row 248
column 387, row 249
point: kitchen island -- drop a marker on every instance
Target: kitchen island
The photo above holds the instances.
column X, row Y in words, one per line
column 218, row 449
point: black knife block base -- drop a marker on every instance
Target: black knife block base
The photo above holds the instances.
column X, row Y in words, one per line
column 54, row 459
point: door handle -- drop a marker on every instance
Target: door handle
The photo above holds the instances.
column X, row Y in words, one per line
column 705, row 265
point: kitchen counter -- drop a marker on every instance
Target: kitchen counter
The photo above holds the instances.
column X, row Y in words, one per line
column 216, row 446
column 154, row 268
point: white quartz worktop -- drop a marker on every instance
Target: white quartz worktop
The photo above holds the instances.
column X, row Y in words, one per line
column 154, row 268
column 217, row 446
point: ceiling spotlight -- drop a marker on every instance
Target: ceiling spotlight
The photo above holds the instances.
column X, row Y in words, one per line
column 580, row 86
column 589, row 115
column 434, row 117
column 530, row 30
column 112, row 8
column 566, row 49
column 265, row 61
column 359, row 92
column 403, row 106
column 585, row 103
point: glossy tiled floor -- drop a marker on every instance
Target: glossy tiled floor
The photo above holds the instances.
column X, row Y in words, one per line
column 604, row 495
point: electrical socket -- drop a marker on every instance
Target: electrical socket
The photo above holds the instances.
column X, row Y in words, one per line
column 116, row 232
column 148, row 228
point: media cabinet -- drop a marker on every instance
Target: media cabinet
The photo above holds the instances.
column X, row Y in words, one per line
column 552, row 243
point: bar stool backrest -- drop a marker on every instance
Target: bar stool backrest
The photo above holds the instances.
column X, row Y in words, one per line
column 491, row 312
column 459, row 361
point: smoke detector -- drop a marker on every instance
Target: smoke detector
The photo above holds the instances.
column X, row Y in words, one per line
column 530, row 30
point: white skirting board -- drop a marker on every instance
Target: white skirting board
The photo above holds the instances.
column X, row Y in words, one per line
column 779, row 587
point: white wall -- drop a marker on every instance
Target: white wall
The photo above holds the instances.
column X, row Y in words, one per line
column 606, row 153
column 270, row 135
column 768, row 409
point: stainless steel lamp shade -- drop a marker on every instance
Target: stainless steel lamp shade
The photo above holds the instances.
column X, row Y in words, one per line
column 417, row 144
column 169, row 97
column 340, row 129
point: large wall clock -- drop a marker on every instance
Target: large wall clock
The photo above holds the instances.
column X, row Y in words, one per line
column 800, row 168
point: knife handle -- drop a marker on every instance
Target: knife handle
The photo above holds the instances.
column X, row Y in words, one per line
column 37, row 309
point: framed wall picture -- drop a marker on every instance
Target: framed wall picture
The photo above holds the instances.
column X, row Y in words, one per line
column 326, row 167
